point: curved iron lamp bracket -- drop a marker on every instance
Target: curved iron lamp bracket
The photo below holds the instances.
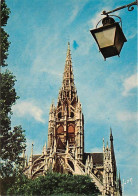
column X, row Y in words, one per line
column 129, row 6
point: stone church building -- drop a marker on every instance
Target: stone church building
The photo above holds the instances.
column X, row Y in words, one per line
column 64, row 152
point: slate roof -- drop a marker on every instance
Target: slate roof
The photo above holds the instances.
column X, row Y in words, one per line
column 96, row 157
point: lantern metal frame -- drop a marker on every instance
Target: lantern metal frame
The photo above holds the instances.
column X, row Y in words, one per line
column 111, row 50
column 110, row 24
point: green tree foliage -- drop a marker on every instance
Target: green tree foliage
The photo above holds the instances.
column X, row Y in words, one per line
column 12, row 142
column 4, row 43
column 54, row 184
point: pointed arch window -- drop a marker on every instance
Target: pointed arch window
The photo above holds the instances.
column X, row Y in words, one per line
column 59, row 115
column 60, row 136
column 60, row 130
column 71, row 134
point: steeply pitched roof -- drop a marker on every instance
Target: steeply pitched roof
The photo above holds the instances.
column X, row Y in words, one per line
column 96, row 157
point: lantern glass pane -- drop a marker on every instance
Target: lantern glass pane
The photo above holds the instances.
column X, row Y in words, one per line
column 106, row 37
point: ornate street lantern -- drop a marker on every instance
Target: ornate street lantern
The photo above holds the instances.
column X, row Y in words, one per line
column 110, row 37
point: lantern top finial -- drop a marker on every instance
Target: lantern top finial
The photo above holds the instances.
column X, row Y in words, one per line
column 107, row 20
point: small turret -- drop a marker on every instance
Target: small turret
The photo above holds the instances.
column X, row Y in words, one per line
column 51, row 125
column 103, row 145
column 32, row 149
column 31, row 156
column 24, row 158
column 44, row 149
column 111, row 145
column 52, row 108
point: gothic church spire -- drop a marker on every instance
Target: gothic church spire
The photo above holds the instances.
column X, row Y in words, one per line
column 68, row 90
column 68, row 78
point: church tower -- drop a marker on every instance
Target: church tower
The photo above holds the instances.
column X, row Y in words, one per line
column 66, row 124
column 64, row 152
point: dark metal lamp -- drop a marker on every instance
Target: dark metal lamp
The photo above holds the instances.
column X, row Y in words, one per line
column 110, row 37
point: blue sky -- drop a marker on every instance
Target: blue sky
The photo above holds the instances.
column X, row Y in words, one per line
column 39, row 31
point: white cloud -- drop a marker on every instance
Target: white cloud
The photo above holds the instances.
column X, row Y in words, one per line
column 131, row 32
column 27, row 108
column 102, row 102
column 49, row 69
column 77, row 8
column 127, row 116
column 74, row 14
column 132, row 35
column 129, row 84
column 97, row 17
